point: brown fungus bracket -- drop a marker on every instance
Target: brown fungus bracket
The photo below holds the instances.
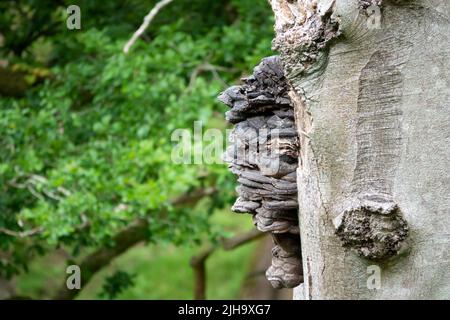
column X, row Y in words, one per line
column 264, row 157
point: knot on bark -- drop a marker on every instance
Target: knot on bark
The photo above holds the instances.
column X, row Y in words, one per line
column 374, row 231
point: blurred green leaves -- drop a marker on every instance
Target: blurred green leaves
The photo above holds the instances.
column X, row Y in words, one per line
column 116, row 284
column 97, row 131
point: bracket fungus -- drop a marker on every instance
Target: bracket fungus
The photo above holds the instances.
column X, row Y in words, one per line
column 264, row 157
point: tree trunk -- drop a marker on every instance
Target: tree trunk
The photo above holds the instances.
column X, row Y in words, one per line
column 371, row 88
column 7, row 289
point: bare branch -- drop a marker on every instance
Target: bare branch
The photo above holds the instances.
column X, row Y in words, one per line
column 21, row 234
column 135, row 233
column 148, row 18
column 241, row 239
column 198, row 262
column 211, row 68
column 33, row 180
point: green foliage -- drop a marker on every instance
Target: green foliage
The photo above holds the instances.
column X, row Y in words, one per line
column 116, row 284
column 88, row 150
column 162, row 271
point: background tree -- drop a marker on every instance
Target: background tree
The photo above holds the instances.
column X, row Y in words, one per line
column 85, row 131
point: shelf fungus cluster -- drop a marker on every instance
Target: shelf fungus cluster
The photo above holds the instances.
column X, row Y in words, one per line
column 264, row 157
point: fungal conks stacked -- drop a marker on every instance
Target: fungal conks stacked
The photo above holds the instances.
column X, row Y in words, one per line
column 264, row 156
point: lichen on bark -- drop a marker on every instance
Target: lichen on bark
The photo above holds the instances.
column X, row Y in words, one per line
column 303, row 29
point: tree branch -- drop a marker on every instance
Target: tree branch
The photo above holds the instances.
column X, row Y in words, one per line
column 147, row 19
column 213, row 69
column 135, row 233
column 198, row 262
column 21, row 234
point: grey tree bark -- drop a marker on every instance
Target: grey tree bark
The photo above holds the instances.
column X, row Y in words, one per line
column 370, row 82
